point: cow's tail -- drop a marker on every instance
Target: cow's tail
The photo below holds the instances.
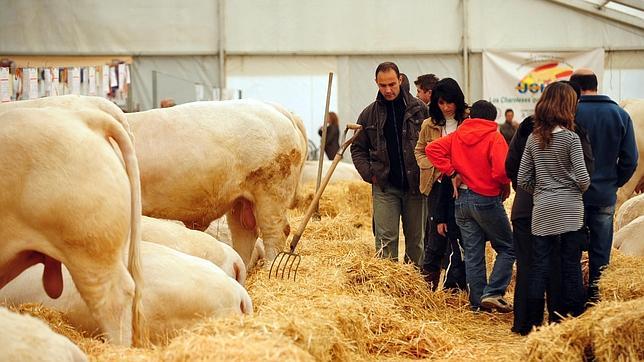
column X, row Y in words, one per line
column 117, row 132
column 297, row 122
column 304, row 143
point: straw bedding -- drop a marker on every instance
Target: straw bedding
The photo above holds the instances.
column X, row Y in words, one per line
column 348, row 305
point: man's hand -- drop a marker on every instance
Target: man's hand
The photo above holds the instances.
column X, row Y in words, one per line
column 456, row 182
column 442, row 229
column 505, row 191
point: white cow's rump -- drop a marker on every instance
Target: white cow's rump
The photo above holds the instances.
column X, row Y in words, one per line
column 66, row 198
column 343, row 172
column 629, row 238
column 202, row 160
column 635, row 108
column 25, row 338
column 629, row 211
column 195, row 243
column 180, row 289
column 73, row 102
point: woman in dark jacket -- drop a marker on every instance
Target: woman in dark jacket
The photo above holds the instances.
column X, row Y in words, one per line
column 521, row 217
column 331, row 146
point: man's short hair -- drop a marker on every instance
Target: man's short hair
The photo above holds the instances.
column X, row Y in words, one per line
column 483, row 109
column 383, row 67
column 508, row 110
column 426, row 82
column 586, row 82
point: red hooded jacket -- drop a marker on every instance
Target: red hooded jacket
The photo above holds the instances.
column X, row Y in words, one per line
column 477, row 151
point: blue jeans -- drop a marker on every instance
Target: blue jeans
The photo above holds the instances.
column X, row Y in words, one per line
column 571, row 299
column 600, row 223
column 482, row 218
column 389, row 206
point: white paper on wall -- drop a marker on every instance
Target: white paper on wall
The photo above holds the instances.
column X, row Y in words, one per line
column 105, row 74
column 55, row 86
column 121, row 73
column 33, row 83
column 76, row 81
column 92, row 81
column 114, row 82
column 127, row 74
column 5, row 95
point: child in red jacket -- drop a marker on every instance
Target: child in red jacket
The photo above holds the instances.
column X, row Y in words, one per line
column 474, row 157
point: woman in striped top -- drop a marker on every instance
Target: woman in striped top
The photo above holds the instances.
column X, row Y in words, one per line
column 553, row 170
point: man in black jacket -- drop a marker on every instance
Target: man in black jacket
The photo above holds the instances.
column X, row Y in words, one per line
column 383, row 154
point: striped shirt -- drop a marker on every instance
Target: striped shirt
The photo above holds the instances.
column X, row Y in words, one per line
column 557, row 177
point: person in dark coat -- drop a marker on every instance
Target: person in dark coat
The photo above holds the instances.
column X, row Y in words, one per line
column 521, row 217
column 331, row 145
column 383, row 155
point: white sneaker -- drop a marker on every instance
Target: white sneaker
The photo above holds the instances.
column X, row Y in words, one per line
column 496, row 302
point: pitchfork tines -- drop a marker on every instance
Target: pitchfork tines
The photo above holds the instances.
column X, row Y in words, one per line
column 287, row 262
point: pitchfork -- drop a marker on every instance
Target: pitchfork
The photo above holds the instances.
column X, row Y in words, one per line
column 289, row 261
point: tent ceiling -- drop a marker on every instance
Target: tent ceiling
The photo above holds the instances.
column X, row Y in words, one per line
column 630, row 12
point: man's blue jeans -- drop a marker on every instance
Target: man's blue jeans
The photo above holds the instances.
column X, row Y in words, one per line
column 600, row 223
column 482, row 218
column 389, row 206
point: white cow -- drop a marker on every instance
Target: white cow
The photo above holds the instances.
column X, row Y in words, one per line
column 343, row 172
column 72, row 102
column 219, row 230
column 635, row 108
column 25, row 338
column 241, row 158
column 629, row 238
column 67, row 197
column 629, row 211
column 195, row 243
column 180, row 289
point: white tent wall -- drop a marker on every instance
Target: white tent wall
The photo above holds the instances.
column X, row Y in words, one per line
column 342, row 27
column 176, row 78
column 349, row 37
column 540, row 25
column 95, row 27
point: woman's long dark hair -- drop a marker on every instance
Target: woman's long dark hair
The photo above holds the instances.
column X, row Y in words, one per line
column 449, row 90
column 556, row 107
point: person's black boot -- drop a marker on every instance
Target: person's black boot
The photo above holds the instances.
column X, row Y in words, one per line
column 432, row 278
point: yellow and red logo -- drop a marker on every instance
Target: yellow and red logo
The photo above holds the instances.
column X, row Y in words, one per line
column 538, row 78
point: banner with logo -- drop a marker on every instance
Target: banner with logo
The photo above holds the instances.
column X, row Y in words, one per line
column 515, row 80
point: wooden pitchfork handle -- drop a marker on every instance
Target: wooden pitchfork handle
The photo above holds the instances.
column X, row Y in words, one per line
column 338, row 156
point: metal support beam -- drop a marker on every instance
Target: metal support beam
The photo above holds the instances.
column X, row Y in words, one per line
column 466, row 59
column 603, row 4
column 221, row 22
column 635, row 4
column 605, row 13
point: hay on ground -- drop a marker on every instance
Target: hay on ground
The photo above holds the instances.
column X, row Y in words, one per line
column 609, row 331
column 623, row 279
column 345, row 305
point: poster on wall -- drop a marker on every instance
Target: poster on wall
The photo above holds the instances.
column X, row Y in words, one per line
column 515, row 80
column 92, row 81
column 76, row 81
column 5, row 95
